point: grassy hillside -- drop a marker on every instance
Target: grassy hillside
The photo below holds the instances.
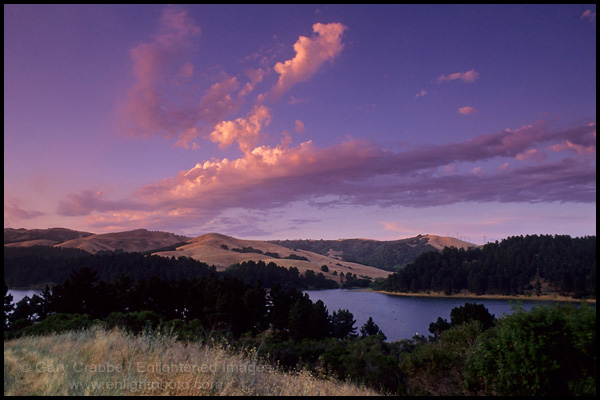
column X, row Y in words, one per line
column 97, row 362
column 386, row 255
column 223, row 251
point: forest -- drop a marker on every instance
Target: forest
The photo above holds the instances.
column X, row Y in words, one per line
column 554, row 344
column 38, row 265
column 516, row 265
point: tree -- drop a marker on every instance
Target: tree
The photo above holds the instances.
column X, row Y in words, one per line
column 370, row 328
column 472, row 312
column 439, row 326
column 342, row 324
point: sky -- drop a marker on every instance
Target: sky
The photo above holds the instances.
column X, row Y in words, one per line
column 302, row 121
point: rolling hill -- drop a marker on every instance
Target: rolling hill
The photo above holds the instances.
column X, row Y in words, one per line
column 223, row 251
column 40, row 237
column 387, row 255
column 139, row 240
column 362, row 257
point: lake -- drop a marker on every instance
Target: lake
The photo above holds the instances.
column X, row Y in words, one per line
column 401, row 317
column 19, row 294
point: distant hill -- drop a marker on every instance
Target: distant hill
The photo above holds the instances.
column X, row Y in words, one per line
column 223, row 251
column 139, row 240
column 42, row 237
column 360, row 257
column 386, row 255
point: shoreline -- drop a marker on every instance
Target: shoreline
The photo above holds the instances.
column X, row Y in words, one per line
column 543, row 297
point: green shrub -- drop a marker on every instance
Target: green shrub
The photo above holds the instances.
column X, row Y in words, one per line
column 550, row 350
column 59, row 323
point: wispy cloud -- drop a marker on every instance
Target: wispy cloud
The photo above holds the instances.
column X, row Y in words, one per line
column 156, row 65
column 468, row 76
column 588, row 15
column 14, row 212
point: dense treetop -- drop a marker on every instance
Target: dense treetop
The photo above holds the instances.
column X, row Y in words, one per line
column 516, row 265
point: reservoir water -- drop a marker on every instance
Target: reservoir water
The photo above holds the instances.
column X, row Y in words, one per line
column 401, row 317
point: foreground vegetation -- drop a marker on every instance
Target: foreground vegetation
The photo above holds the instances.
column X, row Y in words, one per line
column 113, row 363
column 550, row 350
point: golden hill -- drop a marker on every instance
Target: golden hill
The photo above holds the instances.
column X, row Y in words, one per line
column 439, row 242
column 219, row 250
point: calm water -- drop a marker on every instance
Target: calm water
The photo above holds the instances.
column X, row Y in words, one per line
column 19, row 294
column 401, row 317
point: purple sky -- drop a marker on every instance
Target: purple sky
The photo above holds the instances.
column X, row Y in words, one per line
column 301, row 121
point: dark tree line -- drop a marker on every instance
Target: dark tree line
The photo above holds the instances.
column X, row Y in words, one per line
column 515, row 265
column 215, row 303
column 253, row 272
column 38, row 265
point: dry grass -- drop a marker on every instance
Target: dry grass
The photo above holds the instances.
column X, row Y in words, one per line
column 98, row 362
column 208, row 248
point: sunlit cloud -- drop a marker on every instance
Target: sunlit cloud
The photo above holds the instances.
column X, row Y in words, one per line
column 466, row 110
column 468, row 76
column 421, row 93
column 311, row 54
column 244, row 131
column 531, row 155
column 361, row 173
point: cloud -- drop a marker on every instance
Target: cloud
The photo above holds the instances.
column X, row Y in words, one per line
column 588, row 15
column 531, row 155
column 13, row 211
column 87, row 201
column 311, row 54
column 156, row 65
column 299, row 126
column 466, row 110
column 468, row 76
column 166, row 99
column 423, row 92
column 244, row 131
column 362, row 173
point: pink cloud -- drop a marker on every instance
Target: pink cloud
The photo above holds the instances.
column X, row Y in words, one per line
column 531, row 155
column 581, row 150
column 244, row 131
column 589, row 15
column 358, row 172
column 466, row 110
column 299, row 126
column 13, row 211
column 156, row 65
column 468, row 76
column 311, row 54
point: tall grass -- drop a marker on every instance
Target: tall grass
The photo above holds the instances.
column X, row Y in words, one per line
column 99, row 362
